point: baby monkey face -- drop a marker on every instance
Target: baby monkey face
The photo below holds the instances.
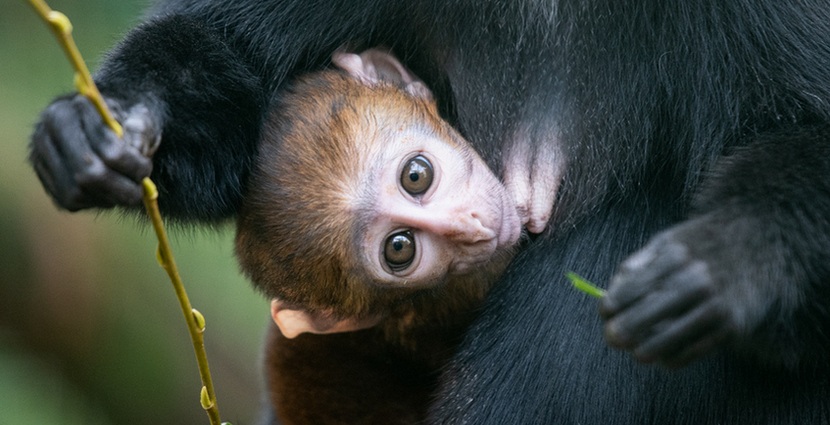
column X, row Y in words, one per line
column 438, row 210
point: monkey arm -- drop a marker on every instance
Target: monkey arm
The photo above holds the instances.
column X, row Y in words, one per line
column 172, row 78
column 747, row 271
column 204, row 80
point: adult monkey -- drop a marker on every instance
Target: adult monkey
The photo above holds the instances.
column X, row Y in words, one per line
column 694, row 132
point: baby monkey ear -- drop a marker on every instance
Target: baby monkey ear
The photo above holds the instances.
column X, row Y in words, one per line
column 374, row 66
column 293, row 322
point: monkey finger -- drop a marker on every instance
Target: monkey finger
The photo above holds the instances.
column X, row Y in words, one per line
column 49, row 160
column 686, row 338
column 97, row 184
column 106, row 188
column 641, row 273
column 100, row 184
column 698, row 349
column 56, row 179
column 123, row 158
column 117, row 154
column 680, row 292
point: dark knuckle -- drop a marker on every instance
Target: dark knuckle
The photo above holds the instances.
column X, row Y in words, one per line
column 91, row 174
column 701, row 280
column 56, row 108
column 112, row 152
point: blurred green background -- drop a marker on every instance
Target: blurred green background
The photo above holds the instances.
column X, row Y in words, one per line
column 90, row 329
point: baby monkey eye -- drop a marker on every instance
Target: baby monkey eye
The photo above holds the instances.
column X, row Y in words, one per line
column 417, row 174
column 399, row 250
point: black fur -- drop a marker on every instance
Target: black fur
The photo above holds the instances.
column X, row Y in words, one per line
column 704, row 125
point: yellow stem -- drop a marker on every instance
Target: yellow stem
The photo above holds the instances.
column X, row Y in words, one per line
column 194, row 319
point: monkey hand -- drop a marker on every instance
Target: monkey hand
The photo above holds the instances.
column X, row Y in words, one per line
column 83, row 164
column 533, row 181
column 665, row 305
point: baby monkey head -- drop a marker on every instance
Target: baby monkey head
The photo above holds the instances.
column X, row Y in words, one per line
column 362, row 199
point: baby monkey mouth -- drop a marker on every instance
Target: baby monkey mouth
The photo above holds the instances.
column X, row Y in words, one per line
column 475, row 255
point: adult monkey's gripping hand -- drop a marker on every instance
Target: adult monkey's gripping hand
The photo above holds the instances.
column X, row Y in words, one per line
column 82, row 163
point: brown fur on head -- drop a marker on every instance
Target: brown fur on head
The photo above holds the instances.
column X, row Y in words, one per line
column 297, row 237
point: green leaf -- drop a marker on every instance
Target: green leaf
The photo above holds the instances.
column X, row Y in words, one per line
column 584, row 285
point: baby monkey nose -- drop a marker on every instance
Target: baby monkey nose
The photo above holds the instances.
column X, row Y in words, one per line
column 459, row 226
column 465, row 228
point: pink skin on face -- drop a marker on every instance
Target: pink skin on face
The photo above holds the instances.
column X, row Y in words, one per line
column 464, row 217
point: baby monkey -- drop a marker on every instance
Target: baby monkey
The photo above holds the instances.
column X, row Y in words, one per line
column 367, row 211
